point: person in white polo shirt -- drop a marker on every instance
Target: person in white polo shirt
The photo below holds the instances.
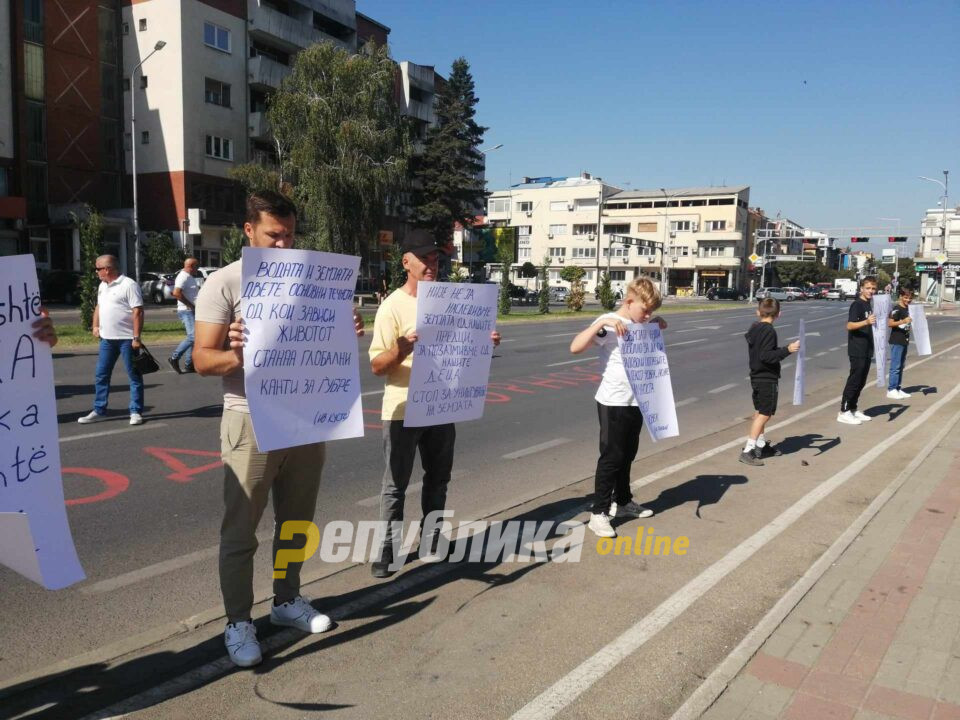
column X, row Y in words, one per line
column 185, row 290
column 117, row 321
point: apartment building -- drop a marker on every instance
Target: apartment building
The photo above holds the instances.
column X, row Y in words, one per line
column 597, row 226
column 938, row 257
column 60, row 134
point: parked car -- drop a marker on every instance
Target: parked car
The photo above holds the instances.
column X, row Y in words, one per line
column 823, row 287
column 835, row 294
column 795, row 293
column 157, row 287
column 522, row 294
column 722, row 293
column 771, row 292
column 558, row 294
column 61, row 286
column 202, row 274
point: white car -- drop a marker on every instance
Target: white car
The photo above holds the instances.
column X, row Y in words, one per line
column 794, row 293
column 772, row 292
column 835, row 294
column 203, row 273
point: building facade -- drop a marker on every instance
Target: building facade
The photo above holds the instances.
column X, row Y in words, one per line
column 938, row 254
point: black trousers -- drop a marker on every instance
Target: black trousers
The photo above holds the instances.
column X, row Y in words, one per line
column 619, row 439
column 859, row 370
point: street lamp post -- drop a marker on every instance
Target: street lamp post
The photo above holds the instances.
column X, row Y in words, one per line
column 896, row 261
column 664, row 280
column 945, row 185
column 133, row 157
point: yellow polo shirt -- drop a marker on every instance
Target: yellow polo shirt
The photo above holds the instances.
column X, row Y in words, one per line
column 396, row 317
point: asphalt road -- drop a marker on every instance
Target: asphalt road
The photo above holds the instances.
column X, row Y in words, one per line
column 145, row 502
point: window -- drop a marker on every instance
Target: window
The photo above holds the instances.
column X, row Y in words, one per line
column 616, row 251
column 216, row 37
column 524, row 207
column 585, row 203
column 554, row 275
column 36, row 132
column 680, row 226
column 590, row 252
column 558, row 205
column 109, row 97
column 40, row 247
column 32, row 20
column 220, row 148
column 617, row 206
column 647, row 227
column 145, row 137
column 36, row 190
column 558, row 229
column 110, row 150
column 125, row 28
column 498, row 205
column 143, row 24
column 713, row 250
column 216, row 92
column 524, row 229
column 4, row 182
column 585, row 229
column 716, row 225
column 523, row 252
column 33, row 71
column 618, row 274
column 126, row 84
column 678, row 250
column 143, row 82
column 588, row 276
column 617, row 229
column 721, row 201
column 558, row 252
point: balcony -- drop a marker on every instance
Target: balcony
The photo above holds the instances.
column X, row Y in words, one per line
column 292, row 33
column 258, row 127
column 723, row 261
column 266, row 74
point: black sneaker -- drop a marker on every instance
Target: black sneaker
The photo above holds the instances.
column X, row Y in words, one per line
column 188, row 369
column 175, row 364
column 750, row 458
column 769, row 450
column 381, row 567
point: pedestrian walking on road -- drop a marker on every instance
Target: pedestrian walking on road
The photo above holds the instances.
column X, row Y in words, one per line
column 899, row 324
column 291, row 474
column 117, row 321
column 860, row 320
column 391, row 356
column 617, row 408
column 765, row 357
column 185, row 291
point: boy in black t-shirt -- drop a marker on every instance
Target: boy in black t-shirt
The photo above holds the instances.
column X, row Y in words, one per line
column 860, row 321
column 765, row 359
column 899, row 324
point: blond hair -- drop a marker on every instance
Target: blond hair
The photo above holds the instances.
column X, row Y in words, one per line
column 643, row 289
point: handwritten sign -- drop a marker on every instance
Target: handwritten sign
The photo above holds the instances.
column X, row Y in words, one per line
column 921, row 333
column 645, row 362
column 800, row 372
column 35, row 537
column 451, row 358
column 881, row 337
column 300, row 362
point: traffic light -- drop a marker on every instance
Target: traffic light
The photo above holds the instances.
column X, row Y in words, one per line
column 898, row 238
column 859, row 239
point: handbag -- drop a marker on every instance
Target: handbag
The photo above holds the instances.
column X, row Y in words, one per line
column 144, row 362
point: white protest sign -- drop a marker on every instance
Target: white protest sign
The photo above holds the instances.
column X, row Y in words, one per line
column 451, row 358
column 35, row 537
column 800, row 373
column 921, row 333
column 300, row 360
column 881, row 336
column 645, row 362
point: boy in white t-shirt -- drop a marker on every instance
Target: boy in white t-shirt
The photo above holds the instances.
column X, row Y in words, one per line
column 617, row 409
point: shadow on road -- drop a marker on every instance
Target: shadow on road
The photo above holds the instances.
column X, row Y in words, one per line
column 703, row 490
column 68, row 391
column 925, row 389
column 810, row 441
column 891, row 410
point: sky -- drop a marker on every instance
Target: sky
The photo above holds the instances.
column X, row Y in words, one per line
column 828, row 110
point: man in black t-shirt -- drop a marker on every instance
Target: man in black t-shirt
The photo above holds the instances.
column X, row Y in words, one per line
column 899, row 324
column 860, row 322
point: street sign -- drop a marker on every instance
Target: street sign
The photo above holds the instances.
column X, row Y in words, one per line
column 941, row 258
column 754, row 258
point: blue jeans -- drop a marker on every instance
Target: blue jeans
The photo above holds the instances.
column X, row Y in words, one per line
column 898, row 358
column 110, row 350
column 185, row 348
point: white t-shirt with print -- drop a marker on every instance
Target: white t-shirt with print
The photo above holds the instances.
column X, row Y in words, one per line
column 614, row 388
column 116, row 301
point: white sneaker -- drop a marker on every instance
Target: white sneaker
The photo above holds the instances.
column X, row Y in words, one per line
column 600, row 524
column 903, row 395
column 300, row 614
column 136, row 419
column 91, row 418
column 242, row 645
column 631, row 509
column 893, row 394
column 848, row 417
column 862, row 417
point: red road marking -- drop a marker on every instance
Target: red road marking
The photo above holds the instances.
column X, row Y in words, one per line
column 181, row 471
column 113, row 483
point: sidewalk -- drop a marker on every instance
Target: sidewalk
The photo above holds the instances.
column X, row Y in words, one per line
column 878, row 636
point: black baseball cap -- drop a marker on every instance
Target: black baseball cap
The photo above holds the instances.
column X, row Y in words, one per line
column 419, row 242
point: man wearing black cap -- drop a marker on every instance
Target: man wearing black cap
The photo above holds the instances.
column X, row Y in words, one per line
column 391, row 355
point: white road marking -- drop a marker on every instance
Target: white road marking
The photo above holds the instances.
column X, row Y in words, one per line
column 374, row 500
column 687, row 342
column 371, row 392
column 821, row 354
column 797, row 337
column 688, row 401
column 705, row 327
column 571, row 362
column 535, row 448
column 834, row 349
column 103, row 433
column 566, row 334
column 722, row 388
column 563, row 692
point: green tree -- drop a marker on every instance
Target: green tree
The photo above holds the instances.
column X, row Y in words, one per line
column 449, row 175
column 908, row 272
column 459, row 273
column 396, row 274
column 605, row 292
column 346, row 146
column 91, row 247
column 505, row 258
column 233, row 244
column 161, row 253
column 543, row 300
column 574, row 275
column 800, row 274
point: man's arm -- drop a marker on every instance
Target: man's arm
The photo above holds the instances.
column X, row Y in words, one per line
column 178, row 294
column 387, row 361
column 96, row 321
column 137, row 325
column 209, row 357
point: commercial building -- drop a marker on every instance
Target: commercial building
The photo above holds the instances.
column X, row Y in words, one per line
column 938, row 255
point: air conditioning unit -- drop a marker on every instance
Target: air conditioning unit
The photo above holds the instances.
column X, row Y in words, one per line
column 650, row 259
column 673, row 233
column 529, row 213
column 560, row 259
column 626, row 261
column 694, row 227
column 589, row 237
column 570, row 206
column 550, row 236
